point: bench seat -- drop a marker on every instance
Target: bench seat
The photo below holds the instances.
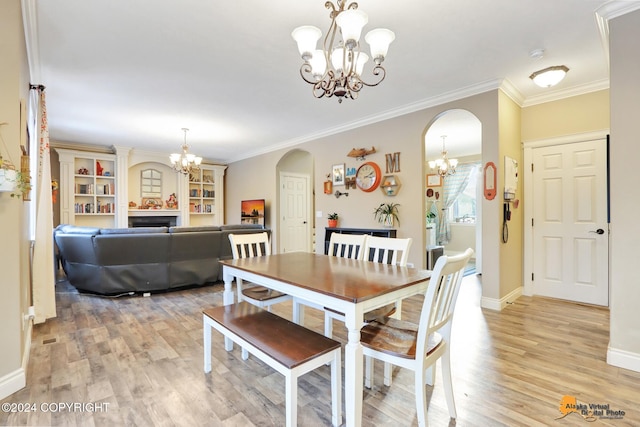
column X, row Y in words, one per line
column 290, row 349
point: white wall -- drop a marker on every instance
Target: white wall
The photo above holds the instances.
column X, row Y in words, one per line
column 624, row 344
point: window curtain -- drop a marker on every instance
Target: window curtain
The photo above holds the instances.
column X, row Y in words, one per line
column 43, row 284
column 453, row 186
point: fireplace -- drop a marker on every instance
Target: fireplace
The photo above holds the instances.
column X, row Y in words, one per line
column 152, row 221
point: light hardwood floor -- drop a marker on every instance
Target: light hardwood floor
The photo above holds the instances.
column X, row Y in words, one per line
column 143, row 357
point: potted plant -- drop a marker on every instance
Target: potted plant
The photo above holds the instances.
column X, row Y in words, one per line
column 386, row 213
column 333, row 220
column 12, row 180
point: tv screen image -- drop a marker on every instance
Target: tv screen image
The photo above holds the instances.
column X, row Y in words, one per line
column 252, row 212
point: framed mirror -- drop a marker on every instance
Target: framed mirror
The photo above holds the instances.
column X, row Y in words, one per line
column 150, row 183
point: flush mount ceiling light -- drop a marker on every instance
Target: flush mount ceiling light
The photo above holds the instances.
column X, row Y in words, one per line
column 550, row 76
column 185, row 162
column 336, row 70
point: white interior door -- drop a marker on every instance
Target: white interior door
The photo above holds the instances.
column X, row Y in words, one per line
column 570, row 232
column 294, row 213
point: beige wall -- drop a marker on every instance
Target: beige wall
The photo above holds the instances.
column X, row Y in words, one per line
column 257, row 178
column 624, row 345
column 14, row 285
column 578, row 114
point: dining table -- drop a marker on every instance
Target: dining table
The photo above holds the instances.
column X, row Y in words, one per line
column 349, row 286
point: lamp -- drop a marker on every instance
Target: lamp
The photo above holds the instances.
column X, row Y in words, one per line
column 336, row 69
column 185, row 162
column 550, row 76
column 445, row 166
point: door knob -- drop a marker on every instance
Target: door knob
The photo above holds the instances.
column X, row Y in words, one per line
column 598, row 231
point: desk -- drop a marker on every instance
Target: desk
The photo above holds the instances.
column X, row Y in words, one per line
column 349, row 286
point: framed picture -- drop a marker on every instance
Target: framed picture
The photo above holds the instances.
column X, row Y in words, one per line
column 337, row 174
column 434, row 180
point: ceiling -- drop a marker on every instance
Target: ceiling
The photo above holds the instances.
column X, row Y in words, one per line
column 133, row 73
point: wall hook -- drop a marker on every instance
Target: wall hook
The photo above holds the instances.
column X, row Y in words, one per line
column 339, row 193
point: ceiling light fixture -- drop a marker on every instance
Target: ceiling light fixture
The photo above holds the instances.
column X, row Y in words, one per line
column 336, row 70
column 185, row 162
column 445, row 166
column 550, row 76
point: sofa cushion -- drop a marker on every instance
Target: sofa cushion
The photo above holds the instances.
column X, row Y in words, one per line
column 241, row 226
column 189, row 229
column 134, row 230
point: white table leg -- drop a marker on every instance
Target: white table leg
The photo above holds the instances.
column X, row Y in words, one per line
column 353, row 369
column 207, row 345
column 227, row 299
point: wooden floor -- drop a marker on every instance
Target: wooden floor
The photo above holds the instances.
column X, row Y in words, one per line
column 142, row 359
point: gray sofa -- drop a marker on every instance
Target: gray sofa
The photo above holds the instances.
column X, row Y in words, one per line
column 114, row 261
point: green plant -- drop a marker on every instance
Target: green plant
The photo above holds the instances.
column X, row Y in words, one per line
column 23, row 184
column 431, row 216
column 332, row 216
column 385, row 211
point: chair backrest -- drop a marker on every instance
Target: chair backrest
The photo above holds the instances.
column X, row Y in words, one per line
column 249, row 245
column 347, row 245
column 387, row 250
column 441, row 296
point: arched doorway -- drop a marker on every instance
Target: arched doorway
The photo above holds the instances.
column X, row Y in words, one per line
column 453, row 214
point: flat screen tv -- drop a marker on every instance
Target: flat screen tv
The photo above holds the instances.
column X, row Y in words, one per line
column 252, row 212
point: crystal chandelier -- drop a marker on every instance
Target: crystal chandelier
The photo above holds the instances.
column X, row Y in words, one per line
column 445, row 166
column 336, row 70
column 185, row 162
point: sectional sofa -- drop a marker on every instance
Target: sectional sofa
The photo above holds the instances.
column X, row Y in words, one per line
column 115, row 261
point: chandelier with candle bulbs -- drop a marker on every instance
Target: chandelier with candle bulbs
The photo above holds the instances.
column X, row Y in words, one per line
column 444, row 165
column 185, row 162
column 336, row 69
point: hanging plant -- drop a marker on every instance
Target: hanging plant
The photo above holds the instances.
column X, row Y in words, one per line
column 12, row 180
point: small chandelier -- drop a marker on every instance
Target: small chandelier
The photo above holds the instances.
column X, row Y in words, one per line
column 336, row 70
column 445, row 166
column 185, row 162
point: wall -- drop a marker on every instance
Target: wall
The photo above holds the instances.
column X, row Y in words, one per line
column 511, row 252
column 404, row 134
column 624, row 344
column 578, row 114
column 14, row 281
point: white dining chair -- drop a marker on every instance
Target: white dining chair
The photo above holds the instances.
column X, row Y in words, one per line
column 418, row 347
column 377, row 249
column 247, row 246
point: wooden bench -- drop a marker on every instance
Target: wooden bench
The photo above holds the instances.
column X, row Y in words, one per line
column 290, row 349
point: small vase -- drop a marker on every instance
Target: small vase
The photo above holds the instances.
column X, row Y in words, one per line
column 333, row 223
column 388, row 222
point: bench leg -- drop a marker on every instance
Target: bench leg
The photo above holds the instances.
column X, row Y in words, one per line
column 291, row 398
column 207, row 345
column 298, row 312
column 245, row 354
column 328, row 325
column 336, row 388
column 368, row 371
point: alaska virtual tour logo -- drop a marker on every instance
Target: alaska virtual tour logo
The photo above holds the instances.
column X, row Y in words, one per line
column 588, row 411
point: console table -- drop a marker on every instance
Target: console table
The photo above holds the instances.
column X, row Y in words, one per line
column 379, row 232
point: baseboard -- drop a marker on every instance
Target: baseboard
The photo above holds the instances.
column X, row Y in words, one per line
column 17, row 380
column 12, row 382
column 623, row 359
column 499, row 304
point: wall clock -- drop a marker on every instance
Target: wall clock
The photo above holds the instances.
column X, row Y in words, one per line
column 368, row 176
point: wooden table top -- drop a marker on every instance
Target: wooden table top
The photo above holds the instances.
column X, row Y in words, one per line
column 343, row 278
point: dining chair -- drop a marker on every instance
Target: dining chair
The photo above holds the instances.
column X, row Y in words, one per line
column 377, row 249
column 418, row 347
column 248, row 246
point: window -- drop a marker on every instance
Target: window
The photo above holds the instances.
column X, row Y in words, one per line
column 464, row 208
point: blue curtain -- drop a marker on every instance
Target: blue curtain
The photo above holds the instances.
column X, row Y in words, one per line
column 453, row 186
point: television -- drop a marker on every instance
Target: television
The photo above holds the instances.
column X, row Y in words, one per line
column 252, row 212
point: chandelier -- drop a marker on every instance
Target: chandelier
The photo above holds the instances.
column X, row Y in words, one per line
column 445, row 166
column 185, row 162
column 336, row 70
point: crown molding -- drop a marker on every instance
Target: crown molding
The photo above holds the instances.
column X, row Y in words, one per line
column 608, row 11
column 566, row 93
column 386, row 115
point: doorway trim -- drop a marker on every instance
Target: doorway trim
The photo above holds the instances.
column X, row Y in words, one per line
column 528, row 147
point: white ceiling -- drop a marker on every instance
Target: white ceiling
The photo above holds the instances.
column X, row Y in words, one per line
column 135, row 72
